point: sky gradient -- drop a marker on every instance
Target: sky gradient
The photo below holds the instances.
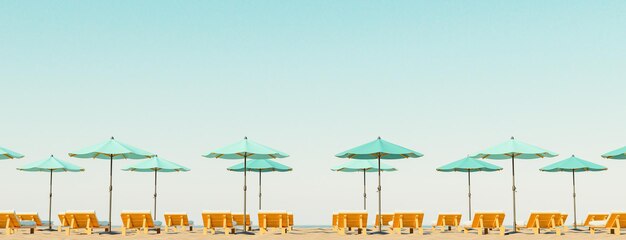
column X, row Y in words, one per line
column 312, row 79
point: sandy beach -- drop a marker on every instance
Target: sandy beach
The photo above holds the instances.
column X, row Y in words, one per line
column 312, row 233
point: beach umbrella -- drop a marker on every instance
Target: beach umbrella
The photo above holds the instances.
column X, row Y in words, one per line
column 156, row 164
column 513, row 149
column 8, row 154
column 616, row 154
column 573, row 165
column 245, row 149
column 363, row 166
column 111, row 150
column 51, row 165
column 379, row 149
column 469, row 165
column 260, row 166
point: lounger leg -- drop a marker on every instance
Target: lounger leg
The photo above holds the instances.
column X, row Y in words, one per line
column 212, row 231
column 420, row 231
column 262, row 230
column 123, row 231
column 226, row 231
column 592, row 230
column 204, row 231
column 341, row 231
column 158, row 230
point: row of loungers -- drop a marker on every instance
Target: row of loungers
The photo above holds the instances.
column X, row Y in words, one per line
column 482, row 222
column 141, row 221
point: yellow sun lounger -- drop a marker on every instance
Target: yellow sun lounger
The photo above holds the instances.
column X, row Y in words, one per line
column 84, row 220
column 591, row 217
column 30, row 216
column 273, row 219
column 484, row 221
column 614, row 224
column 387, row 217
column 550, row 221
column 410, row 220
column 217, row 219
column 356, row 220
column 11, row 224
column 445, row 221
column 178, row 221
column 140, row 221
column 238, row 219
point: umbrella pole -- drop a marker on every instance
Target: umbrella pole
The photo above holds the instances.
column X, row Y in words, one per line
column 110, row 192
column 50, row 204
column 469, row 194
column 155, row 194
column 364, row 192
column 245, row 189
column 574, row 195
column 380, row 218
column 514, row 190
column 259, row 189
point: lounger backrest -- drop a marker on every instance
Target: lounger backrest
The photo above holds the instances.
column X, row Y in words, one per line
column 238, row 219
column 352, row 219
column 616, row 218
column 135, row 219
column 290, row 219
column 449, row 219
column 489, row 219
column 543, row 219
column 273, row 219
column 408, row 219
column 9, row 219
column 176, row 219
column 82, row 219
column 595, row 217
column 387, row 217
column 63, row 220
column 29, row 217
column 563, row 219
column 217, row 219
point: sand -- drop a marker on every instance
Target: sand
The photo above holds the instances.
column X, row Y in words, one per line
column 311, row 233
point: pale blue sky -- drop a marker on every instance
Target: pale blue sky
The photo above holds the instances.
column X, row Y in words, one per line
column 312, row 78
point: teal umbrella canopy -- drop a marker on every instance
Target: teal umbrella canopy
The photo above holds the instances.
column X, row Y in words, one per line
column 8, row 154
column 51, row 164
column 379, row 148
column 573, row 164
column 156, row 164
column 514, row 148
column 360, row 166
column 153, row 165
column 260, row 165
column 245, row 149
column 616, row 154
column 469, row 164
column 111, row 149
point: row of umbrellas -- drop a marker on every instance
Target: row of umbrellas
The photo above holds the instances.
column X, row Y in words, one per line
column 115, row 150
column 369, row 158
